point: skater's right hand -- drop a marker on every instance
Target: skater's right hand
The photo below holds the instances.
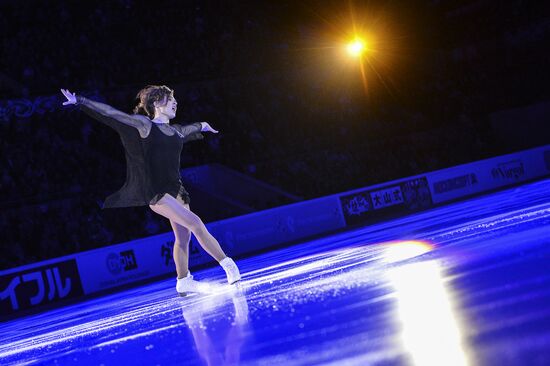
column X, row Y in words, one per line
column 71, row 97
column 207, row 128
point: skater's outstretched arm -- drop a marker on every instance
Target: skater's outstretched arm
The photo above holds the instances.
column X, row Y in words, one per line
column 188, row 129
column 104, row 110
column 193, row 131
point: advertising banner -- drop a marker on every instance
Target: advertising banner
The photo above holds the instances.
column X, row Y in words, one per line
column 399, row 197
column 41, row 285
column 485, row 175
column 126, row 263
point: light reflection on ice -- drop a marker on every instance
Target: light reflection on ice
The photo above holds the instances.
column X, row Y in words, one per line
column 430, row 331
column 205, row 342
column 399, row 251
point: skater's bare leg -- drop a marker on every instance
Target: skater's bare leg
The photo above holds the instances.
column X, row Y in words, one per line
column 182, row 237
column 174, row 210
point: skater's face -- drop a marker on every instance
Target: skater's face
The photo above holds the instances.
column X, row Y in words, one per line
column 167, row 107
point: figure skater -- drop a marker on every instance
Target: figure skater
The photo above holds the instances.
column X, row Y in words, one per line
column 152, row 149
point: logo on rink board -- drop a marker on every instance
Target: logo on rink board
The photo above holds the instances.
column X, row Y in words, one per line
column 355, row 207
column 386, row 197
column 416, row 194
column 384, row 202
column 166, row 251
column 454, row 183
column 509, row 170
column 121, row 262
column 38, row 286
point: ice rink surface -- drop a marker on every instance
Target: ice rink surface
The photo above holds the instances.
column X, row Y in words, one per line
column 463, row 284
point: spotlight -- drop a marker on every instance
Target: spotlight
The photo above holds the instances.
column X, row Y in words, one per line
column 356, row 48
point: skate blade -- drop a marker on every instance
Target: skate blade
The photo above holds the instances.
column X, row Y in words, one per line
column 232, row 283
column 182, row 294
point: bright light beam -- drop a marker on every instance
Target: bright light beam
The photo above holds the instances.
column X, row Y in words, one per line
column 356, row 48
column 431, row 333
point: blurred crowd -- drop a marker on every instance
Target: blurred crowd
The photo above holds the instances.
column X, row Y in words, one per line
column 276, row 124
column 73, row 43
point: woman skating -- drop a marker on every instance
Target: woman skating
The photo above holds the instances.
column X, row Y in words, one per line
column 153, row 148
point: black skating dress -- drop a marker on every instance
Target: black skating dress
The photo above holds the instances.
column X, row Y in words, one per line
column 162, row 160
column 152, row 163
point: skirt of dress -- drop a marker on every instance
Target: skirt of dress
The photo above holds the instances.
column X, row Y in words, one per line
column 181, row 193
column 184, row 195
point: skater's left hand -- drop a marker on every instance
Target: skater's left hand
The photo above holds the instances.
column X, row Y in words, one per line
column 207, row 128
column 71, row 97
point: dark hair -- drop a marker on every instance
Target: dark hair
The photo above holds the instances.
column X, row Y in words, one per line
column 148, row 95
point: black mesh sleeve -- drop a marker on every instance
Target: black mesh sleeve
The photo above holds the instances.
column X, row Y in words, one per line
column 190, row 132
column 104, row 112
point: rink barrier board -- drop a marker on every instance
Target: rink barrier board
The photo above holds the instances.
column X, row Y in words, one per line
column 489, row 174
column 95, row 271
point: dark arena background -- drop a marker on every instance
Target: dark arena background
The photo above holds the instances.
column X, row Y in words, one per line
column 381, row 177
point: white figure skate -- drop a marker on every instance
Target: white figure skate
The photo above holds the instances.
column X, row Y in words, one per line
column 231, row 270
column 189, row 285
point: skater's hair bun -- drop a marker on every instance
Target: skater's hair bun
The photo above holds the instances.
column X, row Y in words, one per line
column 148, row 96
